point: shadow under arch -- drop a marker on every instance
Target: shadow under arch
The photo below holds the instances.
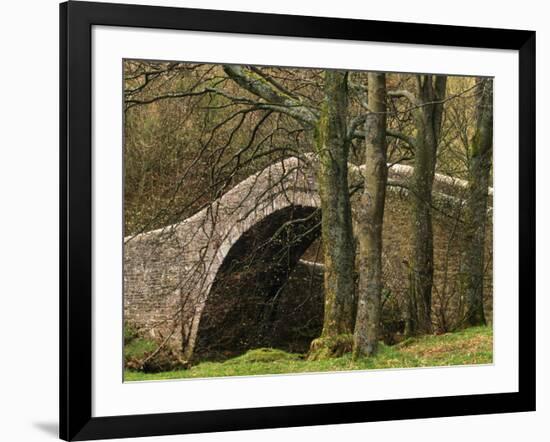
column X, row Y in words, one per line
column 248, row 306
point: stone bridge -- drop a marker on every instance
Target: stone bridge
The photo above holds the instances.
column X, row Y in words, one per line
column 257, row 231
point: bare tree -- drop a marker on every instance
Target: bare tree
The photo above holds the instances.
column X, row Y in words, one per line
column 480, row 158
column 332, row 146
column 427, row 112
column 370, row 222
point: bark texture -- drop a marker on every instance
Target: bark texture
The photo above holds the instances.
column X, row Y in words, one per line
column 370, row 222
column 428, row 115
column 332, row 147
column 480, row 159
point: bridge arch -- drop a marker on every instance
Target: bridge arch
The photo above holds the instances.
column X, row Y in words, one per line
column 169, row 272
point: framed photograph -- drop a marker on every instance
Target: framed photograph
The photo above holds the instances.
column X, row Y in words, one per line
column 273, row 220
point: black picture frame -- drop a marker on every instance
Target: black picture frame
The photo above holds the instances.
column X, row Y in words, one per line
column 76, row 21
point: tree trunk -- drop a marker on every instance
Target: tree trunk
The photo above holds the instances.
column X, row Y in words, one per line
column 332, row 147
column 431, row 92
column 480, row 156
column 370, row 222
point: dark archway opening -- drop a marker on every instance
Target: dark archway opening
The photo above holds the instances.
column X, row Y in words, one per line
column 263, row 295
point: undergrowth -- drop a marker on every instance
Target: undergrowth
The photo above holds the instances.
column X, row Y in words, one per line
column 470, row 346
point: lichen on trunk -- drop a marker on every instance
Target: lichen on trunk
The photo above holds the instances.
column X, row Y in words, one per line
column 332, row 148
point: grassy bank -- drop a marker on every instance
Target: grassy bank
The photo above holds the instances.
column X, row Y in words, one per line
column 470, row 346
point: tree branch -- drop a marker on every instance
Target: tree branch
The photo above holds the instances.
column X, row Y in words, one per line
column 275, row 99
column 404, row 94
column 401, row 136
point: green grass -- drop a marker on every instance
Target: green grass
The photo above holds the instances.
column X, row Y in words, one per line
column 138, row 348
column 466, row 347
